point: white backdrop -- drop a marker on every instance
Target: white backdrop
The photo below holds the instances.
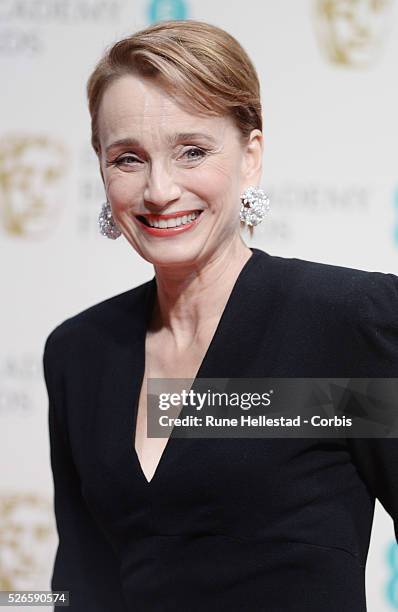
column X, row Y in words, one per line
column 330, row 98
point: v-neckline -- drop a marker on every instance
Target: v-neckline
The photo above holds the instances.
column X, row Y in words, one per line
column 201, row 372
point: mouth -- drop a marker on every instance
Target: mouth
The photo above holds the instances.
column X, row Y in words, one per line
column 171, row 220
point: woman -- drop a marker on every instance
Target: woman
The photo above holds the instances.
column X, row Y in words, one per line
column 150, row 524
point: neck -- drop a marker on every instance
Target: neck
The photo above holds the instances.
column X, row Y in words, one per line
column 192, row 298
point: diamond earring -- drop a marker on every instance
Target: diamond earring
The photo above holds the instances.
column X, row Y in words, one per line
column 254, row 205
column 107, row 224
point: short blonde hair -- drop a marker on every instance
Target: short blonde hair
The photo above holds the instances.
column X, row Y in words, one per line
column 203, row 66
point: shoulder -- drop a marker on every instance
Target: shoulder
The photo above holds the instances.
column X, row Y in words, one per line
column 100, row 321
column 352, row 313
column 321, row 284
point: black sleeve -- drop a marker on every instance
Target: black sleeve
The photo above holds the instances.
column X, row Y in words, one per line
column 376, row 337
column 85, row 563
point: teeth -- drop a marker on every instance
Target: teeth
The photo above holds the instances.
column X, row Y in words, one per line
column 174, row 222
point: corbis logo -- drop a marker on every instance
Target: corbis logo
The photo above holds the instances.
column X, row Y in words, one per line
column 352, row 32
column 31, row 169
column 160, row 10
column 27, row 541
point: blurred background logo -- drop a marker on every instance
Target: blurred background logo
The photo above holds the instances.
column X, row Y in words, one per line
column 352, row 32
column 160, row 10
column 26, row 533
column 31, row 169
column 392, row 583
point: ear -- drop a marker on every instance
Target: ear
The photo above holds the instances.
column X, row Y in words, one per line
column 252, row 161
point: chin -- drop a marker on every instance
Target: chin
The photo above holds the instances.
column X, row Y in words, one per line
column 173, row 255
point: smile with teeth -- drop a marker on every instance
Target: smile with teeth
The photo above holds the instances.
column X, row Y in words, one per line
column 157, row 221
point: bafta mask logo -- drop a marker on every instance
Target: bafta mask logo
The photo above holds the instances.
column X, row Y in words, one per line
column 31, row 169
column 160, row 10
column 352, row 32
column 27, row 541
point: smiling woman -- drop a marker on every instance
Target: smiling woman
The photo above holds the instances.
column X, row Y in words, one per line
column 171, row 524
column 158, row 159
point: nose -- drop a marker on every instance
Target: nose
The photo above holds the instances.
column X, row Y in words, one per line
column 161, row 188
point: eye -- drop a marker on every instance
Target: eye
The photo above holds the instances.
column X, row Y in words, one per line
column 124, row 161
column 194, row 153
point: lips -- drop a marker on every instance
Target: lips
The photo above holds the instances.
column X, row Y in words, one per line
column 153, row 217
column 174, row 230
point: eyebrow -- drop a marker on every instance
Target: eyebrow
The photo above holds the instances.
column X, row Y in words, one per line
column 172, row 139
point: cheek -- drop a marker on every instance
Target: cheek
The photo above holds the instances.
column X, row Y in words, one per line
column 215, row 183
column 125, row 191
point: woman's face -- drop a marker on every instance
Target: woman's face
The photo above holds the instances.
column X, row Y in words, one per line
column 172, row 161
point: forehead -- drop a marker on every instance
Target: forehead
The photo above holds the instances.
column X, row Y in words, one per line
column 139, row 107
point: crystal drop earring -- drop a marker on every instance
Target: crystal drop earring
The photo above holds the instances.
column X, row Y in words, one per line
column 254, row 205
column 107, row 224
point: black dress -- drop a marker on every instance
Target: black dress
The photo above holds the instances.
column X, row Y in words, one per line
column 273, row 525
